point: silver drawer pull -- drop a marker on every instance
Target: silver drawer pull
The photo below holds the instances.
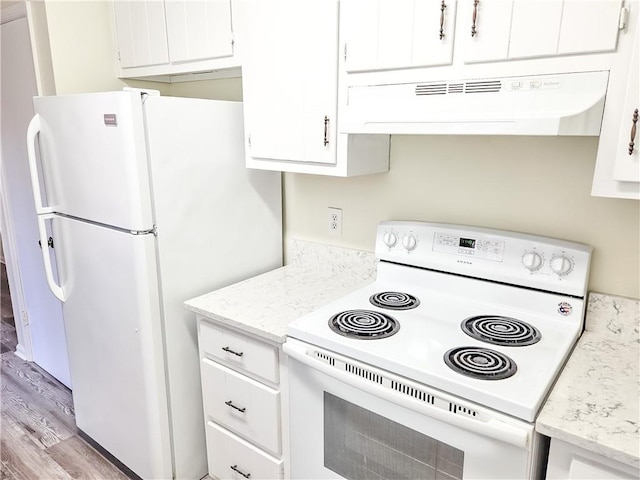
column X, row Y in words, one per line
column 230, row 404
column 236, row 469
column 228, row 350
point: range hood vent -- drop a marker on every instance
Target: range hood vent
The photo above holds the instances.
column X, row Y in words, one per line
column 562, row 104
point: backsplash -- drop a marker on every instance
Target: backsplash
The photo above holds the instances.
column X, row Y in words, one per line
column 330, row 258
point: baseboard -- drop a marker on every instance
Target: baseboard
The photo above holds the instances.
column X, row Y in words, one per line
column 21, row 353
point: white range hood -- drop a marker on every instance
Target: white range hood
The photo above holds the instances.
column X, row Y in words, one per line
column 562, row 104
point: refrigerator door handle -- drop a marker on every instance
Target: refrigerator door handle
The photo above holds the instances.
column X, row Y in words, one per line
column 46, row 258
column 32, row 132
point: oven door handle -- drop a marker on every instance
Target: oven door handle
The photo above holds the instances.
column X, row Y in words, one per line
column 518, row 435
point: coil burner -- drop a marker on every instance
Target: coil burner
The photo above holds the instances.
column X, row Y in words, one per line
column 504, row 331
column 364, row 324
column 394, row 300
column 480, row 363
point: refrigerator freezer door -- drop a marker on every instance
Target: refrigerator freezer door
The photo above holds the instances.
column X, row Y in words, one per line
column 93, row 158
column 114, row 338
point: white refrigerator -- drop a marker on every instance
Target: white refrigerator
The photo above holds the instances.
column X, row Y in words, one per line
column 148, row 202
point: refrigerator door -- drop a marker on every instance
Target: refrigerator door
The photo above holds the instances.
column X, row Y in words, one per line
column 114, row 338
column 93, row 158
column 218, row 223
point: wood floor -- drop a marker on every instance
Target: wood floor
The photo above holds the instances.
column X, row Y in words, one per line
column 38, row 435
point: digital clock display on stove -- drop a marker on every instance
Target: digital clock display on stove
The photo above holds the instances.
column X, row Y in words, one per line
column 467, row 242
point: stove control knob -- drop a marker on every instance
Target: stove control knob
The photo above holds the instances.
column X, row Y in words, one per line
column 390, row 239
column 532, row 260
column 561, row 265
column 409, row 242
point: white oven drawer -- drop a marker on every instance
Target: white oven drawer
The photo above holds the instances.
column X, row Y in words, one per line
column 230, row 457
column 239, row 351
column 242, row 405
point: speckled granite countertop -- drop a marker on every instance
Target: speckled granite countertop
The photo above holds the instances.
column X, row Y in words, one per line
column 264, row 305
column 595, row 403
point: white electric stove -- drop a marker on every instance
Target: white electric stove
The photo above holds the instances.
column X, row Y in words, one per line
column 464, row 325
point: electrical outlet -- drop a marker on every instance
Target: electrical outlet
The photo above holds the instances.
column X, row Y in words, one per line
column 335, row 221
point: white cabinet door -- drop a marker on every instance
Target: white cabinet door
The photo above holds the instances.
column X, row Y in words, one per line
column 627, row 163
column 290, row 80
column 535, row 28
column 513, row 29
column 142, row 37
column 589, row 26
column 394, row 34
column 485, row 29
column 198, row 30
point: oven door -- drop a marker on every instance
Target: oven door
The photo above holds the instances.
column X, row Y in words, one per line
column 351, row 420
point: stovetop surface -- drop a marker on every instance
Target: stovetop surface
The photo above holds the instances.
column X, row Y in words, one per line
column 427, row 332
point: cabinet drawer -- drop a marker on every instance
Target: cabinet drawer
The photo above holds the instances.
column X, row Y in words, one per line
column 241, row 404
column 239, row 351
column 230, row 457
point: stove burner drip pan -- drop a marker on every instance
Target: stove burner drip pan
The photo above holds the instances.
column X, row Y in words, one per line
column 364, row 324
column 394, row 300
column 480, row 363
column 498, row 330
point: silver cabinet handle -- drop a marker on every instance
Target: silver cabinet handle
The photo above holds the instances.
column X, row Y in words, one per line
column 236, row 469
column 474, row 18
column 442, row 8
column 240, row 409
column 634, row 121
column 326, row 130
column 228, row 350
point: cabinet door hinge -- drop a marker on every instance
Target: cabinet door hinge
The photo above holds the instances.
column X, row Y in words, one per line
column 624, row 17
column 249, row 140
column 25, row 318
column 345, row 52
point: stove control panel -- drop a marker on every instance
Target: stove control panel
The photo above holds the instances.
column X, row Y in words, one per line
column 488, row 249
column 509, row 257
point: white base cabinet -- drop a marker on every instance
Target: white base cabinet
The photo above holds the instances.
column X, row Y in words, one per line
column 243, row 404
column 570, row 462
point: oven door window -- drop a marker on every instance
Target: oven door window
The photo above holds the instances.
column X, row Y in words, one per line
column 361, row 444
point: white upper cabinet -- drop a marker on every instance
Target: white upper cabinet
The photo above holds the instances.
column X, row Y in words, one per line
column 290, row 80
column 391, row 34
column 617, row 170
column 172, row 37
column 484, row 29
column 526, row 28
column 515, row 29
column 290, row 93
column 589, row 26
column 399, row 34
column 627, row 155
column 142, row 38
column 199, row 30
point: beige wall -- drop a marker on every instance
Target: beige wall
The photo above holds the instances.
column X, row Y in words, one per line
column 83, row 52
column 534, row 185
